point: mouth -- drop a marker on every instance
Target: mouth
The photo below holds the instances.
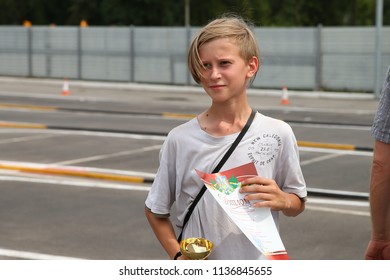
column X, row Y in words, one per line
column 215, row 87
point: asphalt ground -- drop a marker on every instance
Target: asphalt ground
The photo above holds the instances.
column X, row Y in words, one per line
column 75, row 169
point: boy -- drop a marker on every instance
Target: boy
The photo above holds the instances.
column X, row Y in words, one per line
column 224, row 58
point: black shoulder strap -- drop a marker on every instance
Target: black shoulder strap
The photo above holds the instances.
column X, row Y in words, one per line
column 216, row 169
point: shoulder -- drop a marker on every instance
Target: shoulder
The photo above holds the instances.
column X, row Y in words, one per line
column 270, row 130
column 273, row 123
column 183, row 129
column 180, row 133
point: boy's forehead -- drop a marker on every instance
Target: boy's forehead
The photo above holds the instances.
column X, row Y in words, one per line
column 229, row 39
column 219, row 48
column 223, row 43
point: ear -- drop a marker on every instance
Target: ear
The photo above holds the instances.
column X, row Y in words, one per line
column 253, row 66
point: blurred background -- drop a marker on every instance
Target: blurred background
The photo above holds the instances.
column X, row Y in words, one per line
column 305, row 45
column 89, row 90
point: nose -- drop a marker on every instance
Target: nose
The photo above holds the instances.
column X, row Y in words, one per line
column 215, row 73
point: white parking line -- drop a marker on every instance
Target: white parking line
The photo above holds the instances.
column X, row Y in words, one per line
column 335, row 151
column 31, row 255
column 332, row 126
column 344, row 202
column 85, row 133
column 106, row 156
column 26, row 138
column 55, row 180
column 321, row 158
column 313, row 204
column 338, row 210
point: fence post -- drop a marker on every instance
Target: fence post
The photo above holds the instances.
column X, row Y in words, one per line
column 318, row 59
column 188, row 40
column 131, row 53
column 378, row 48
column 48, row 53
column 29, row 51
column 79, row 56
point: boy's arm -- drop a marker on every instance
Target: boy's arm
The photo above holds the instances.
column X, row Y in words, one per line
column 296, row 205
column 163, row 229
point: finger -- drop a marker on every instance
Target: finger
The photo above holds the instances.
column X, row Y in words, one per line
column 254, row 188
column 257, row 181
column 258, row 196
column 262, row 204
column 253, row 180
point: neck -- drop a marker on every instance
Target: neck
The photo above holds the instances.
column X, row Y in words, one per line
column 224, row 120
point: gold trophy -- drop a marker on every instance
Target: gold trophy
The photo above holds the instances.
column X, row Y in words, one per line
column 196, row 248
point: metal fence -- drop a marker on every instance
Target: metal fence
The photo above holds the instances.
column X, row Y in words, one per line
column 327, row 58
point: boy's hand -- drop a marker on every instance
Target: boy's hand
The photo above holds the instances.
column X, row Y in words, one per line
column 267, row 191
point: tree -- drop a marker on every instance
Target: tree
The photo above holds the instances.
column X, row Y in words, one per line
column 88, row 10
column 171, row 12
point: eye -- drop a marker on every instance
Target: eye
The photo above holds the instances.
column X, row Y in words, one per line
column 206, row 65
column 225, row 63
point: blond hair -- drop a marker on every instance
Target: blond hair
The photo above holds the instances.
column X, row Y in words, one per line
column 232, row 27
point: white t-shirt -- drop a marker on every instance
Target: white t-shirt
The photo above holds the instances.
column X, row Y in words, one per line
column 269, row 143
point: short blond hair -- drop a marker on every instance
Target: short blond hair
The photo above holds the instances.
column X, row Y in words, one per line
column 232, row 27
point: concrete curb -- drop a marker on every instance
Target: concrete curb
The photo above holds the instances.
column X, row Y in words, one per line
column 186, row 88
column 338, row 194
column 75, row 171
column 335, row 146
column 101, row 174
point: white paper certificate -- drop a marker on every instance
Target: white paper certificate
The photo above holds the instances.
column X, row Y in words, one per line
column 256, row 223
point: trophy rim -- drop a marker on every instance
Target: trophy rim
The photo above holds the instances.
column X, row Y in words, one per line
column 196, row 256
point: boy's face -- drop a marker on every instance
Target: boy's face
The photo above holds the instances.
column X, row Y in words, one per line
column 226, row 73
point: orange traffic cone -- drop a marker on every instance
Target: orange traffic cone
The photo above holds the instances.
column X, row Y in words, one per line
column 284, row 100
column 65, row 87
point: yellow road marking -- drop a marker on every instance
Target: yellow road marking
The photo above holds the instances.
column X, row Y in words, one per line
column 22, row 125
column 30, row 107
column 70, row 172
column 178, row 115
column 326, row 145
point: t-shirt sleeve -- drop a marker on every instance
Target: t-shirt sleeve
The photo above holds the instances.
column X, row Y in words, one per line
column 162, row 193
column 289, row 176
